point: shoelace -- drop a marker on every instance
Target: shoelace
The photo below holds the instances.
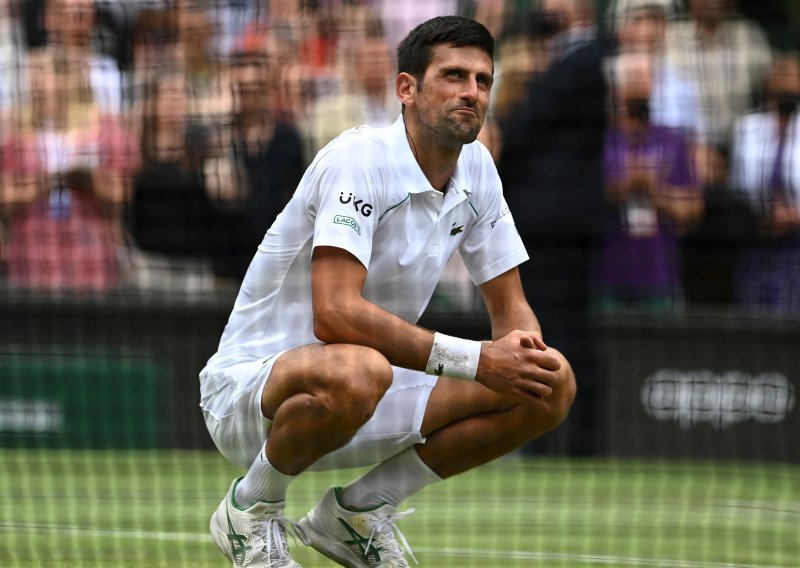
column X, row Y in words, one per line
column 386, row 526
column 274, row 532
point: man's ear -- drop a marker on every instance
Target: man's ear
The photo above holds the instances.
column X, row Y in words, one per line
column 406, row 88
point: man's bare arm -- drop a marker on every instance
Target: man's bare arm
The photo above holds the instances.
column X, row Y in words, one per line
column 514, row 364
column 343, row 315
column 508, row 309
column 512, row 321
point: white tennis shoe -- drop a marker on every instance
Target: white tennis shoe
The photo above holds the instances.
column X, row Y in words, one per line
column 364, row 539
column 254, row 537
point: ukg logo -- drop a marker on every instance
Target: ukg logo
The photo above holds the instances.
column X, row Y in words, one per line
column 721, row 400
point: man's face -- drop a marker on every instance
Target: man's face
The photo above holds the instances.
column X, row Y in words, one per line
column 171, row 104
column 784, row 78
column 374, row 64
column 633, row 82
column 453, row 96
column 644, row 30
column 253, row 89
column 72, row 20
column 709, row 10
column 49, row 90
column 784, row 86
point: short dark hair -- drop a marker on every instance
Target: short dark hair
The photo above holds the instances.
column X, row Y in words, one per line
column 415, row 51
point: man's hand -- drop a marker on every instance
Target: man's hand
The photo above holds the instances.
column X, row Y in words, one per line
column 783, row 219
column 518, row 365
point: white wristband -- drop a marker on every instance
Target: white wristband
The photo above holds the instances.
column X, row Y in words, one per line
column 454, row 357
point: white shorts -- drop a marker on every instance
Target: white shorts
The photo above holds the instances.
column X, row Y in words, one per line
column 231, row 402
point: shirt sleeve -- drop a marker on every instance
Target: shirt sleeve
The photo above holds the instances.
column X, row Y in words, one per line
column 348, row 182
column 492, row 246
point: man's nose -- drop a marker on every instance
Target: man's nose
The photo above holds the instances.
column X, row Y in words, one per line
column 470, row 92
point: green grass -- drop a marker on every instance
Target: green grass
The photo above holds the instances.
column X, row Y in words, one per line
column 151, row 508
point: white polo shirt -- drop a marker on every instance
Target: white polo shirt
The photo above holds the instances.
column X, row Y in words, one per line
column 365, row 193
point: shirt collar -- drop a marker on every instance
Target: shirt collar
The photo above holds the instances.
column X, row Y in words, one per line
column 406, row 165
column 412, row 176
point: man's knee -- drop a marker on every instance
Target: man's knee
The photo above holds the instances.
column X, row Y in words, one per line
column 560, row 402
column 347, row 381
column 548, row 413
column 553, row 410
column 355, row 380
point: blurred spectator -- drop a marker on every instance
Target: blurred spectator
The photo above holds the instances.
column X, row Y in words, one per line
column 233, row 19
column 208, row 80
column 152, row 45
column 653, row 194
column 766, row 165
column 553, row 138
column 288, row 19
column 299, row 39
column 172, row 217
column 11, row 55
column 729, row 58
column 675, row 98
column 399, row 18
column 726, row 57
column 707, row 248
column 70, row 29
column 66, row 172
column 268, row 149
column 616, row 9
column 522, row 55
column 366, row 95
column 552, row 175
column 319, row 50
column 113, row 25
column 179, row 38
column 710, row 248
column 491, row 13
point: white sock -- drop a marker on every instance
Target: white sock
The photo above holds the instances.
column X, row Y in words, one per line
column 391, row 482
column 262, row 483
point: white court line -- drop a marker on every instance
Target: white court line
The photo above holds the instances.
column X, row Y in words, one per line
column 95, row 532
column 586, row 558
column 606, row 560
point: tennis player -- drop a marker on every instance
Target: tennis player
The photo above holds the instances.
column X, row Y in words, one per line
column 322, row 365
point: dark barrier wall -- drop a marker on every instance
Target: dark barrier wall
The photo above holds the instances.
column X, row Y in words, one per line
column 121, row 371
column 172, row 334
column 701, row 385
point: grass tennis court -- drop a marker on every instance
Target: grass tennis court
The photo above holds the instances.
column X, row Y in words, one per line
column 151, row 508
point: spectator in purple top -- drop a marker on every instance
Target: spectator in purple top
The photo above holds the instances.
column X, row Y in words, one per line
column 651, row 192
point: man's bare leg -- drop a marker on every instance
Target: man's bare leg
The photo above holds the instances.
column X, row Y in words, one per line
column 484, row 435
column 317, row 397
column 466, row 425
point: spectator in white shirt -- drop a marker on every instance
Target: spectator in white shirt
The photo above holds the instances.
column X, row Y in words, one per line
column 726, row 55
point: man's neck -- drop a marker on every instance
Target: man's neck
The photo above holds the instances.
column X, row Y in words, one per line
column 436, row 161
column 376, row 94
column 633, row 130
column 707, row 28
column 783, row 124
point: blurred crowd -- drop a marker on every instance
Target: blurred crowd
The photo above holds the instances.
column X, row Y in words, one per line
column 649, row 149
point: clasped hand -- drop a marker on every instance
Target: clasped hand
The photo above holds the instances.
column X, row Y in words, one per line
column 519, row 365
